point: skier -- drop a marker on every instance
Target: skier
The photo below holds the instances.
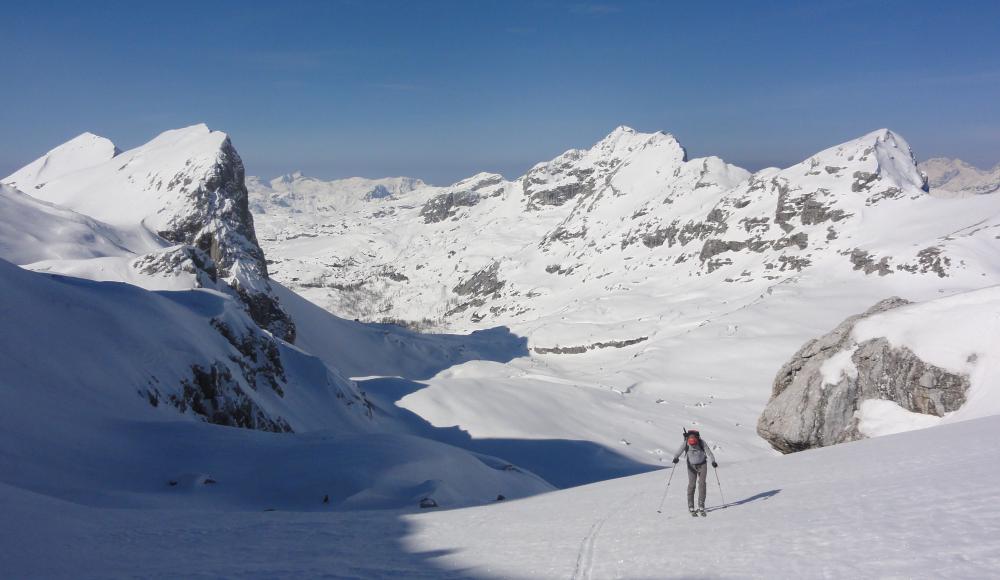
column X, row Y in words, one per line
column 698, row 454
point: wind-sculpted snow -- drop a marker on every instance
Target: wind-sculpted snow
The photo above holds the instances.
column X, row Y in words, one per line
column 34, row 231
column 184, row 187
column 79, row 153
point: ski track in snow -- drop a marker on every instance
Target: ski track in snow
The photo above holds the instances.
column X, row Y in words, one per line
column 585, row 557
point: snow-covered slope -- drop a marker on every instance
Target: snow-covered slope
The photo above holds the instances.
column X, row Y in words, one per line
column 115, row 396
column 914, row 505
column 653, row 291
column 33, row 231
column 957, row 176
column 81, row 152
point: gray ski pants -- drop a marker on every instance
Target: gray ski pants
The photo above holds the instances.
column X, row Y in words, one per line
column 697, row 475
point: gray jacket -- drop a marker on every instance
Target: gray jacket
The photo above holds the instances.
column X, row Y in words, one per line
column 695, row 455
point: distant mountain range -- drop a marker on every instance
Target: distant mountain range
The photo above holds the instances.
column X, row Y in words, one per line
column 961, row 177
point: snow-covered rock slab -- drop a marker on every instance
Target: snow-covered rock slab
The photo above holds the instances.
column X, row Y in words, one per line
column 937, row 358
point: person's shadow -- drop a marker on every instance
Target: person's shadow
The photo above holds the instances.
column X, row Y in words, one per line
column 763, row 496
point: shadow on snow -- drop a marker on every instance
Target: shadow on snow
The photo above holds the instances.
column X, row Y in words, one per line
column 562, row 462
column 763, row 496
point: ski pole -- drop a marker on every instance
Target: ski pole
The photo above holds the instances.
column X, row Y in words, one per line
column 720, row 487
column 664, row 498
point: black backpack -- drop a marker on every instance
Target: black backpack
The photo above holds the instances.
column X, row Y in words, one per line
column 696, row 433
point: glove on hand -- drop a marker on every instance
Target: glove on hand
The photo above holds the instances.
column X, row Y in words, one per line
column 676, row 460
column 714, row 464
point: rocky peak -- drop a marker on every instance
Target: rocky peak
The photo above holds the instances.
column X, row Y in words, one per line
column 580, row 173
column 186, row 186
column 878, row 161
column 625, row 140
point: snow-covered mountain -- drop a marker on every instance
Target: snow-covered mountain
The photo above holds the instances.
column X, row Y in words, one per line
column 630, row 210
column 668, row 289
column 163, row 325
column 615, row 294
column 184, row 187
column 957, row 176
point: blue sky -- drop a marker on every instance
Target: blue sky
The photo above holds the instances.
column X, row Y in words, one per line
column 440, row 90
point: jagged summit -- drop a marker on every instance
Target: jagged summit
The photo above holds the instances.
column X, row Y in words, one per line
column 625, row 154
column 624, row 139
column 881, row 154
column 184, row 187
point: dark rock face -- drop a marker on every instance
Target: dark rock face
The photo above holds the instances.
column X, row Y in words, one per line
column 540, row 192
column 222, row 391
column 864, row 261
column 216, row 396
column 584, row 348
column 806, row 411
column 219, row 223
column 446, row 205
column 863, row 180
column 182, row 259
column 483, row 283
column 378, row 192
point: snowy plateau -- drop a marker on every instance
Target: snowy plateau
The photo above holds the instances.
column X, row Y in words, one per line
column 207, row 374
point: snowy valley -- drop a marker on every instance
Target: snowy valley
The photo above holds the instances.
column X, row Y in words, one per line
column 306, row 372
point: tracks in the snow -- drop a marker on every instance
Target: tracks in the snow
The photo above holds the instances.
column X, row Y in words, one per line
column 585, row 556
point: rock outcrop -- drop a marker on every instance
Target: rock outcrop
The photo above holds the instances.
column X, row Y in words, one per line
column 186, row 186
column 817, row 394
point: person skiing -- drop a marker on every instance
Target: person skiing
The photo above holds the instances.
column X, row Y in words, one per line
column 698, row 454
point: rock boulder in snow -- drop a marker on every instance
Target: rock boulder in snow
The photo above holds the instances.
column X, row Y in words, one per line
column 817, row 394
